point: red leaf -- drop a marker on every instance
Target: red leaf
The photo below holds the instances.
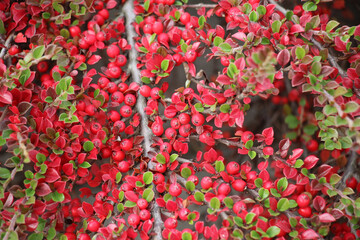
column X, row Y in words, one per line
column 296, row 29
column 283, row 57
column 147, row 225
column 93, row 59
column 51, row 175
column 319, row 203
column 111, row 4
column 20, row 38
column 132, row 196
column 6, row 97
column 289, row 190
column 88, row 208
column 326, row 218
column 310, row 234
column 310, row 161
column 42, row 190
column 171, row 206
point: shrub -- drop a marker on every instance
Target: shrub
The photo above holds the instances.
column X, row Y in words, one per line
column 102, row 146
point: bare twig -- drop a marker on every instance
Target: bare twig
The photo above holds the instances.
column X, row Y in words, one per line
column 200, row 5
column 7, row 45
column 128, row 11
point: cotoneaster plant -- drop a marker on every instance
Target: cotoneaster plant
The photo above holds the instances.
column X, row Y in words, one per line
column 98, row 144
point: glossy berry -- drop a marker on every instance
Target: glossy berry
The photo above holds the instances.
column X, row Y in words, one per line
column 175, row 189
column 206, row 183
column 233, row 168
column 239, row 185
column 133, row 220
column 197, row 119
column 170, row 223
column 246, row 136
column 123, row 166
column 93, row 225
column 112, row 51
column 306, row 212
column 312, row 145
column 144, row 214
column 224, row 189
column 303, row 200
column 142, row 203
column 351, row 182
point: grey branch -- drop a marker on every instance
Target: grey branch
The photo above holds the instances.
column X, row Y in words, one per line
column 128, row 11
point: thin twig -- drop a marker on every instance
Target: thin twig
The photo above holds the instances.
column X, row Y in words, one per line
column 128, row 11
column 200, row 5
column 6, row 45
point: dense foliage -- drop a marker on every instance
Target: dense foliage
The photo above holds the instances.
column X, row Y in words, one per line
column 97, row 143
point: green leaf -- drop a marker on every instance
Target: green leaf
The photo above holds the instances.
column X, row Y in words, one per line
column 186, row 236
column 298, row 163
column 4, row 173
column 261, row 10
column 249, row 144
column 147, row 5
column 275, row 26
column 190, row 186
column 58, row 197
column 219, row 166
column 331, row 25
column 228, row 202
column 346, row 142
column 199, row 107
column 201, row 21
column 310, row 129
column 148, row 177
column 273, row 231
column 24, row 76
column 263, row 193
column 334, row 179
column 215, row 203
column 173, row 157
column 217, row 41
column 300, row 53
column 88, row 146
column 160, row 158
column 2, row 28
column 130, row 204
column 39, row 52
column 309, row 6
column 250, row 217
column 283, row 204
column 351, row 107
column 316, row 68
column 252, row 154
column 225, row 108
column 185, row 172
column 255, row 235
column 292, row 121
column 36, row 236
column 282, row 184
column 51, row 234
column 348, row 191
column 148, row 194
column 120, row 207
column 165, row 64
column 225, row 47
column 199, row 196
column 254, row 16
column 258, row 182
column 85, row 165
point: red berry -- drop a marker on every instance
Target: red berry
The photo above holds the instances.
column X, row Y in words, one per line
column 233, row 168
column 184, row 118
column 224, row 189
column 175, row 189
column 206, row 183
column 161, row 168
column 312, row 145
column 239, row 185
column 246, row 136
column 126, row 144
column 157, row 27
column 42, row 66
column 144, row 214
column 124, row 166
column 154, row 93
column 157, row 129
column 351, row 182
column 118, row 156
column 145, row 90
column 197, row 119
column 171, row 223
column 158, row 178
column 175, row 123
column 84, row 236
column 190, row 56
column 303, row 200
column 239, row 207
column 93, row 225
column 133, row 220
column 305, row 212
column 142, row 203
column 185, row 18
column 114, row 116
column 121, row 60
column 125, row 111
column 130, row 99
